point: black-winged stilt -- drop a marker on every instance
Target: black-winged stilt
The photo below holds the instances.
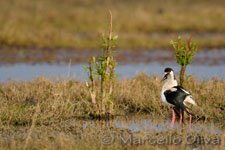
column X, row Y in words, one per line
column 175, row 96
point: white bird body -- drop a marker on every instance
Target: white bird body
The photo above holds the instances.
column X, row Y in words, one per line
column 169, row 84
column 175, row 96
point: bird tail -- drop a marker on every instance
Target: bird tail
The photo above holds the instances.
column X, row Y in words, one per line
column 184, row 108
column 190, row 100
column 177, row 111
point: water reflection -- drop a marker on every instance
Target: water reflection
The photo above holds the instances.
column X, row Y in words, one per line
column 143, row 123
column 27, row 72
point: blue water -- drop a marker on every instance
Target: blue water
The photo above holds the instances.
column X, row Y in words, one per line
column 27, row 72
column 145, row 123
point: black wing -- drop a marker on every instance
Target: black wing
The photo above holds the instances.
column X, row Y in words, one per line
column 176, row 97
column 180, row 88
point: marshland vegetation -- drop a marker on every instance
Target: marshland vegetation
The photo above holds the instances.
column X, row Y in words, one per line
column 38, row 113
column 141, row 24
column 62, row 99
column 54, row 113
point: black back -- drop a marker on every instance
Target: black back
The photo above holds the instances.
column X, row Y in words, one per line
column 176, row 98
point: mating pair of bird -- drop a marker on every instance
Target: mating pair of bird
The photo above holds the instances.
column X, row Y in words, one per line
column 175, row 96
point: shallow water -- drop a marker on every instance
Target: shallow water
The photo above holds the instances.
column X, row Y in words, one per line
column 27, row 72
column 207, row 64
column 132, row 130
column 143, row 123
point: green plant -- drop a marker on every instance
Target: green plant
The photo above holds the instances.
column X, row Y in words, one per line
column 184, row 53
column 103, row 67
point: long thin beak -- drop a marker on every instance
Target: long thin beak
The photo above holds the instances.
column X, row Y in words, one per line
column 164, row 78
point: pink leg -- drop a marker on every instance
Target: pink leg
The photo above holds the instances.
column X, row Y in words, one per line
column 190, row 116
column 173, row 119
column 190, row 121
column 180, row 118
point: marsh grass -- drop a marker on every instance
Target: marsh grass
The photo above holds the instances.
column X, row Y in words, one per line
column 75, row 135
column 63, row 99
column 50, row 113
column 77, row 23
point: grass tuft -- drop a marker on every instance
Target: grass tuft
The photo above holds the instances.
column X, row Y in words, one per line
column 59, row 100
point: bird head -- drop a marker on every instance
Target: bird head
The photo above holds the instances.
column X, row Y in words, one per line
column 168, row 74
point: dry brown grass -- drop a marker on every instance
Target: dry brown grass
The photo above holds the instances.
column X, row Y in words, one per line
column 75, row 136
column 59, row 100
column 78, row 23
column 41, row 114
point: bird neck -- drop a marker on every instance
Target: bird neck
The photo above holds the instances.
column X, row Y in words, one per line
column 172, row 76
column 169, row 84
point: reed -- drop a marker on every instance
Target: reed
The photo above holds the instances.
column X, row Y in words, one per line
column 104, row 68
column 48, row 113
column 63, row 99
